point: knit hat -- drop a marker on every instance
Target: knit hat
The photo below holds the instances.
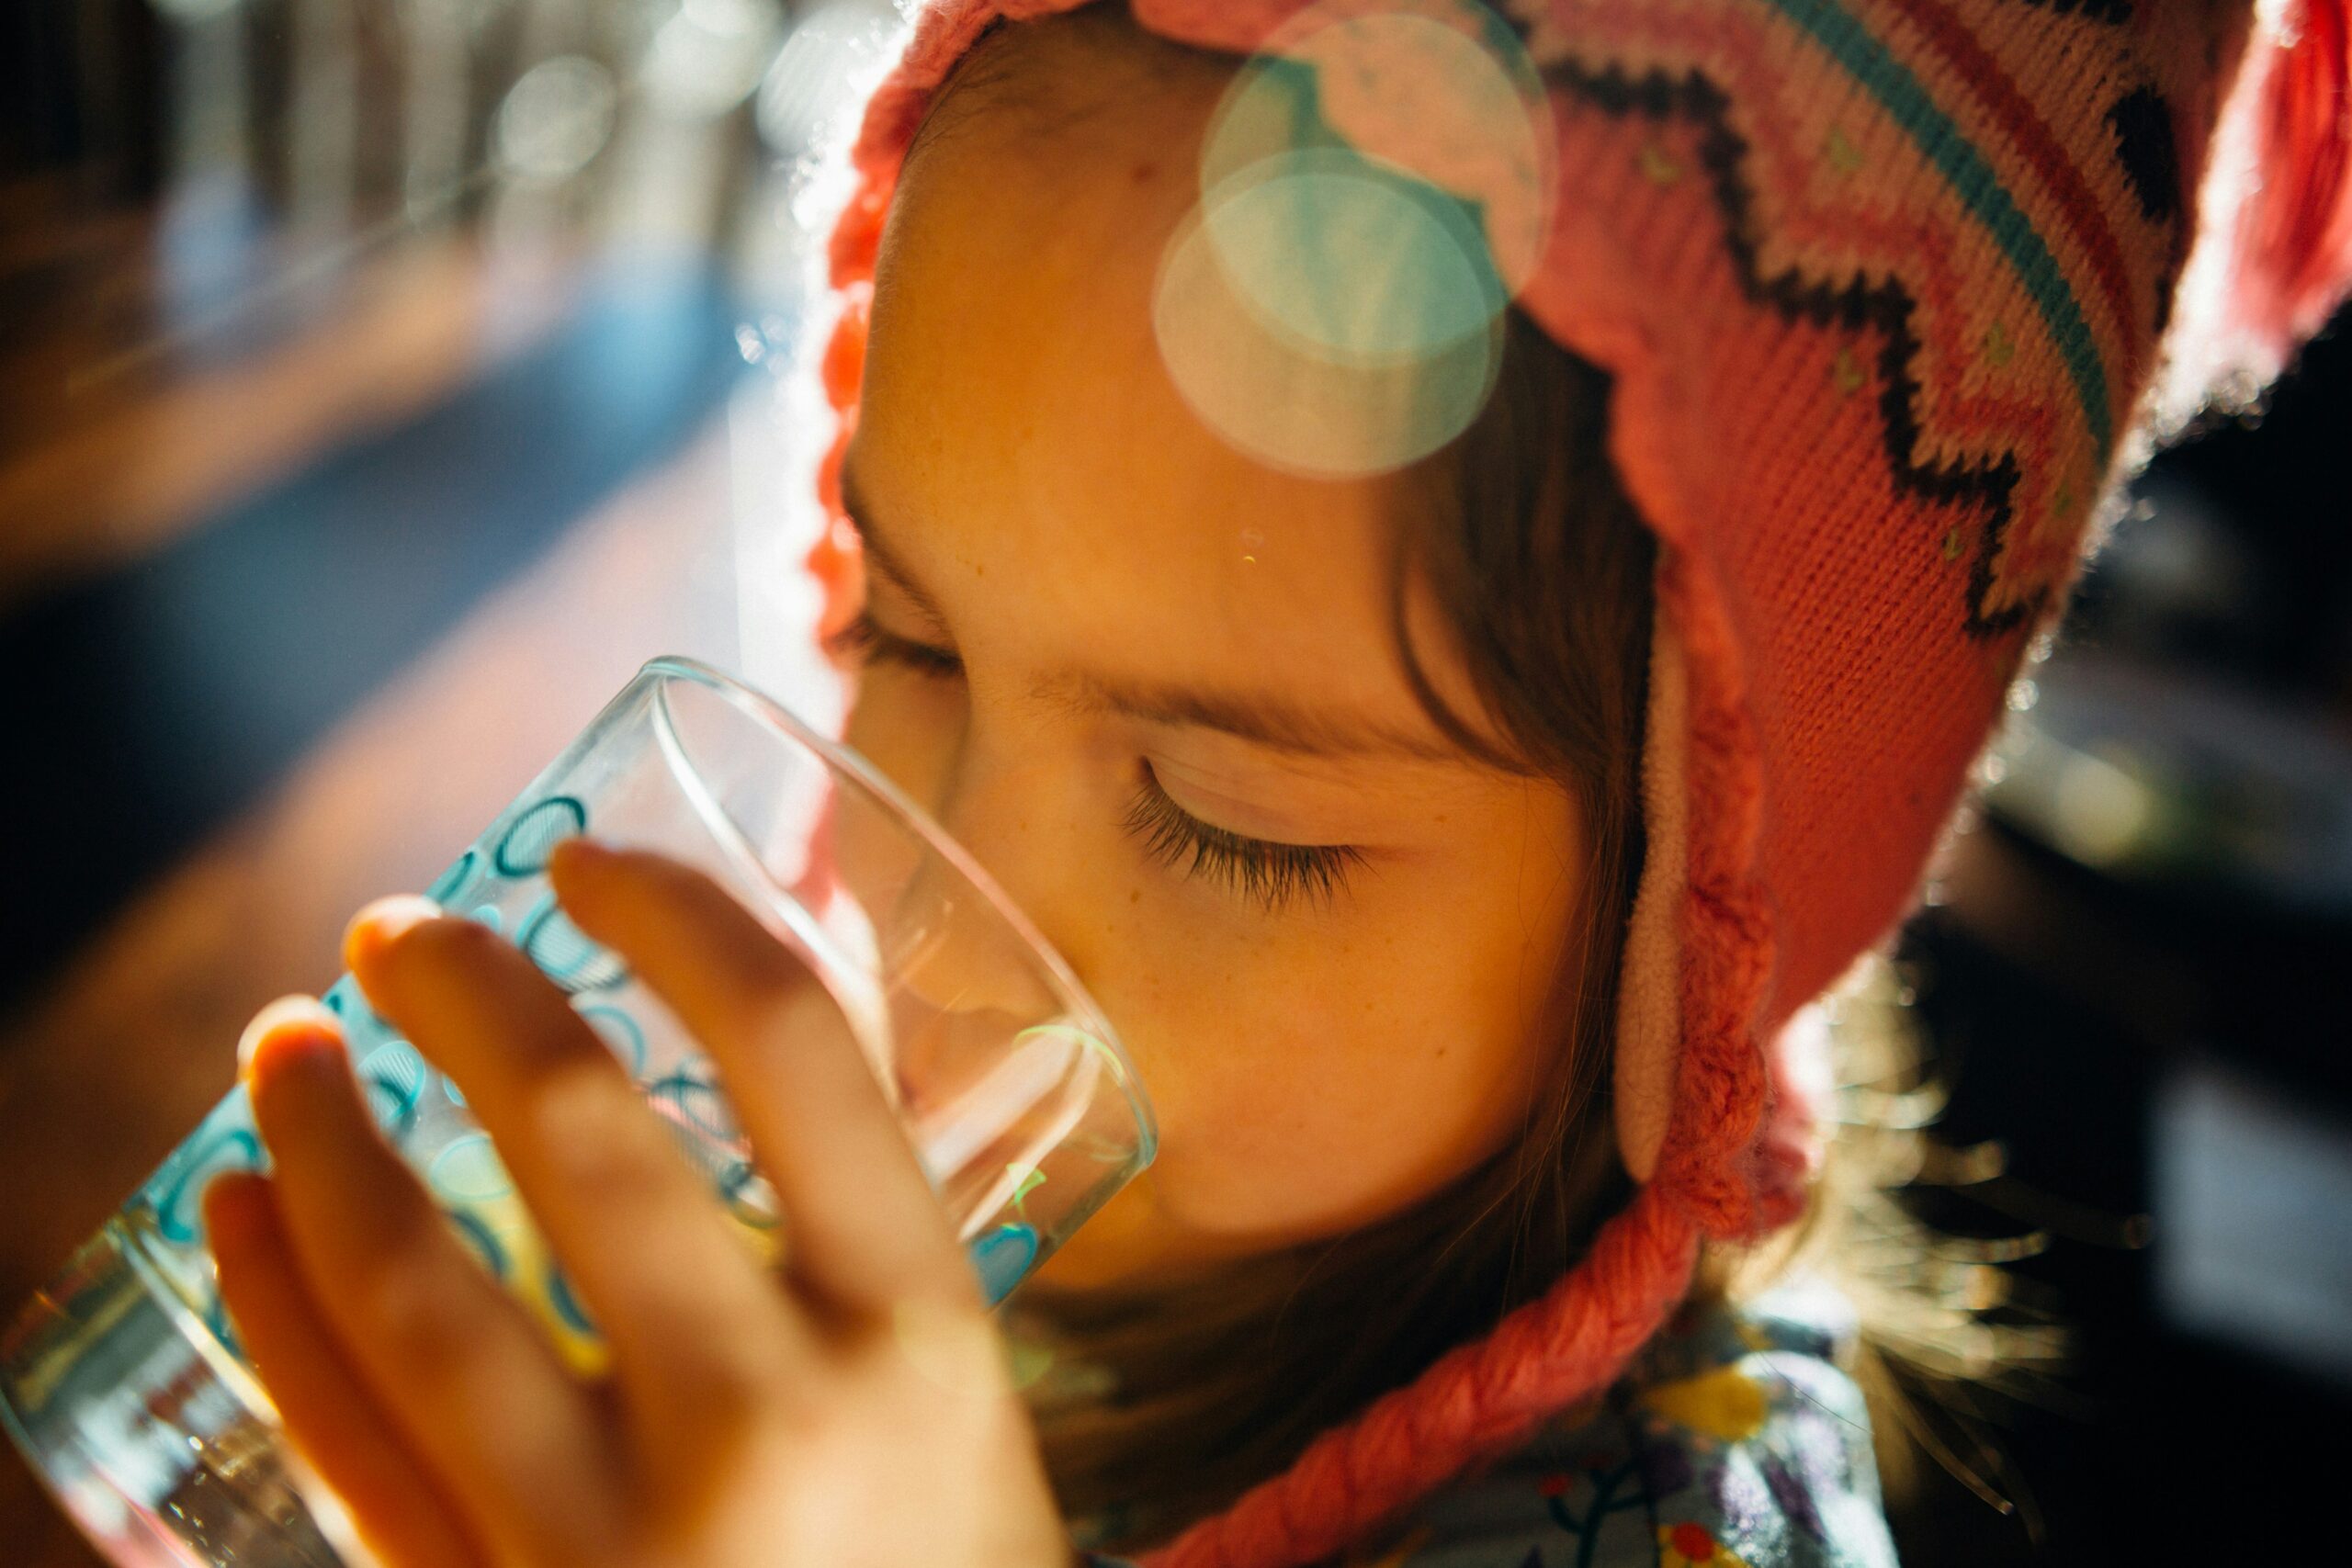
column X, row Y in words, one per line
column 1882, row 286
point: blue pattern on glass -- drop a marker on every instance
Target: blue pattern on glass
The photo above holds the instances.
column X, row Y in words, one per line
column 394, row 1078
column 1001, row 1256
column 620, row 1031
column 567, row 1305
column 694, row 1102
column 470, row 1172
column 225, row 1143
column 482, row 1240
column 564, row 952
column 750, row 1199
column 449, row 881
column 523, row 850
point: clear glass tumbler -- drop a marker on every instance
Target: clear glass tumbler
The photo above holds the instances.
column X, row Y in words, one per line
column 123, row 1380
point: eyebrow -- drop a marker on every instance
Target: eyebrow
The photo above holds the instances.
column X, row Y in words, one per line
column 878, row 549
column 1262, row 719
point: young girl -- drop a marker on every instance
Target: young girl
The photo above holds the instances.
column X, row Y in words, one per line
column 1456, row 561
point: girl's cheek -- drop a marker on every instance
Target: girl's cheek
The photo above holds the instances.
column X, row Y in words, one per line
column 1298, row 1098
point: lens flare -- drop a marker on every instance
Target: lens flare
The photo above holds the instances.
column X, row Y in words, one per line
column 1348, row 263
column 1440, row 90
column 1374, row 185
column 1322, row 318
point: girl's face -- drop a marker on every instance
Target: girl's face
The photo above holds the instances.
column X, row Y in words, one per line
column 1155, row 687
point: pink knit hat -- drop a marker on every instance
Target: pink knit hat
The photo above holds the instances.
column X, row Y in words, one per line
column 1883, row 286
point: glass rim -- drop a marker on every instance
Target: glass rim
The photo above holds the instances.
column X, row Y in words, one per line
column 762, row 708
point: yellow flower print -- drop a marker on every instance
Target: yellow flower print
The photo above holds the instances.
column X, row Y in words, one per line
column 1690, row 1546
column 1725, row 1404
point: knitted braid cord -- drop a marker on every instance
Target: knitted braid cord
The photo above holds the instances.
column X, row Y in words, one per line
column 1476, row 1403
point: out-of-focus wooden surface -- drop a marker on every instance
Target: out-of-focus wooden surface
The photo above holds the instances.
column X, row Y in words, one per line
column 136, row 1038
column 135, row 461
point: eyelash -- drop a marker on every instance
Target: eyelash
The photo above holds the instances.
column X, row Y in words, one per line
column 1269, row 874
column 866, row 643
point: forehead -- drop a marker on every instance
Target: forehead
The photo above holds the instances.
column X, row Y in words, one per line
column 1017, row 418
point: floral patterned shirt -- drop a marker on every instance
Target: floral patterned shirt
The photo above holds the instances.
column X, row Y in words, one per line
column 1738, row 1441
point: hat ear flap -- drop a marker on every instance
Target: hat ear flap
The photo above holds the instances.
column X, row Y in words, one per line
column 1650, row 987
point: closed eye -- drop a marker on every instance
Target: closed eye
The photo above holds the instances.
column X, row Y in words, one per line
column 864, row 642
column 1269, row 875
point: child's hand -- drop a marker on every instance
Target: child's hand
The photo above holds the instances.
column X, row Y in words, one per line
column 851, row 1409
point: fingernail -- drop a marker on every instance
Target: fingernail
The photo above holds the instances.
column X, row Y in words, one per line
column 375, row 926
column 286, row 1014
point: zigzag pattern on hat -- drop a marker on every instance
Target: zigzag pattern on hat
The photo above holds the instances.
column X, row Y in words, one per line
column 1992, row 371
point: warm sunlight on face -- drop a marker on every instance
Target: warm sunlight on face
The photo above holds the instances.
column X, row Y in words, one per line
column 1154, row 686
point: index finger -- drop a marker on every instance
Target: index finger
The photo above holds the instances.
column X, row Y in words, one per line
column 863, row 1226
column 691, row 1315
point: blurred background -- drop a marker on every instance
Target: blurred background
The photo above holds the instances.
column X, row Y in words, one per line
column 382, row 380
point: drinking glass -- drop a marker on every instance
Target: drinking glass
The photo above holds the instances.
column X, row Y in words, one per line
column 122, row 1378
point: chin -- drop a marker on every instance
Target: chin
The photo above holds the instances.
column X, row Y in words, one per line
column 1131, row 1243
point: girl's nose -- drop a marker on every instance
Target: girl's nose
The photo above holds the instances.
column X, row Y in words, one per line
column 954, row 949
column 951, row 944
column 990, row 1070
column 998, row 810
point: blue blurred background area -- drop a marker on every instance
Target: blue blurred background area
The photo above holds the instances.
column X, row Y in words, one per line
column 382, row 380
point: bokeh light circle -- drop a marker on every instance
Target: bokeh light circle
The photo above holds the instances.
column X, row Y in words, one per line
column 1351, row 264
column 1320, row 315
column 1375, row 186
column 556, row 120
column 470, row 1172
column 1439, row 90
